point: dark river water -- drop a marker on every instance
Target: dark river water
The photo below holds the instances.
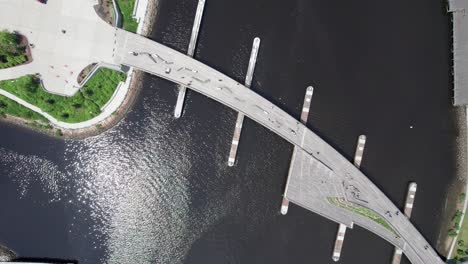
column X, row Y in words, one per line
column 158, row 190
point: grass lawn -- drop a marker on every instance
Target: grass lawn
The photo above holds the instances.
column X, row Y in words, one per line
column 461, row 249
column 10, row 107
column 83, row 106
column 126, row 9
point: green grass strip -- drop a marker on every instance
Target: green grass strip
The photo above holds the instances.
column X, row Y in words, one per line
column 84, row 105
column 10, row 107
column 461, row 249
column 362, row 211
column 126, row 9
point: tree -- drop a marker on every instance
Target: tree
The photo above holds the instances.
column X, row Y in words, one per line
column 77, row 106
column 31, row 83
column 452, row 232
column 9, row 44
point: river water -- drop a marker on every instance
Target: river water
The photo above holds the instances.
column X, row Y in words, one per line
column 158, row 190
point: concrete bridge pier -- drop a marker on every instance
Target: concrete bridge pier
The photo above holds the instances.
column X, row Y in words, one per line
column 304, row 117
column 409, row 202
column 240, row 116
column 342, row 228
column 190, row 52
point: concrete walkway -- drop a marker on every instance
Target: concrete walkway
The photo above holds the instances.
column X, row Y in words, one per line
column 18, row 71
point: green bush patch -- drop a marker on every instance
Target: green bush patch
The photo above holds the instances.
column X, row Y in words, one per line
column 101, row 86
column 10, row 107
column 126, row 9
column 459, row 228
column 11, row 52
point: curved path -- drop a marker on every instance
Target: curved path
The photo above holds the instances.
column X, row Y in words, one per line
column 317, row 163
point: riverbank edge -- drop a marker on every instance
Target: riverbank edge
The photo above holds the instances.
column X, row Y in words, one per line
column 445, row 243
column 146, row 24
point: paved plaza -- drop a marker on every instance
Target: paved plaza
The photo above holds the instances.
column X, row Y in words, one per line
column 67, row 36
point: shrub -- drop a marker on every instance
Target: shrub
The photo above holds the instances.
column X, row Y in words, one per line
column 9, row 44
column 452, row 232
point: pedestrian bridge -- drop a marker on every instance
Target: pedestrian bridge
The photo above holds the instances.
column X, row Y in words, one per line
column 322, row 180
column 68, row 36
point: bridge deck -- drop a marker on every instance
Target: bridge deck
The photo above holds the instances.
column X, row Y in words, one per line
column 460, row 56
column 320, row 164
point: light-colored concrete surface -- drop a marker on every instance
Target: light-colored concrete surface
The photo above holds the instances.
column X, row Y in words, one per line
column 361, row 144
column 139, row 13
column 319, row 171
column 410, row 196
column 190, row 52
column 409, row 202
column 304, row 116
column 397, row 253
column 306, row 104
column 340, row 236
column 240, row 116
column 196, row 27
